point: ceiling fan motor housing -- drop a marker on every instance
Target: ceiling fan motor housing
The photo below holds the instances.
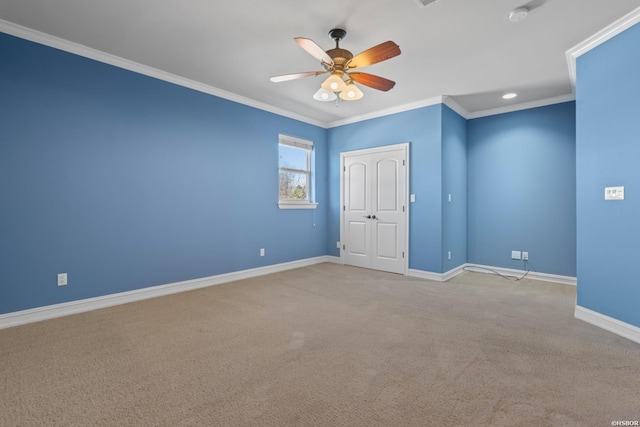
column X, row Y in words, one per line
column 337, row 34
column 340, row 57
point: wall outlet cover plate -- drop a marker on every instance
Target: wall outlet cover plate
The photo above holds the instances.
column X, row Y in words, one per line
column 62, row 279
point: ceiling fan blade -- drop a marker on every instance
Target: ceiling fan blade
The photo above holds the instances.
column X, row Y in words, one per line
column 379, row 53
column 373, row 81
column 314, row 50
column 287, row 77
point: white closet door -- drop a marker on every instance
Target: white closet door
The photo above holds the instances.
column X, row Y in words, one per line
column 374, row 219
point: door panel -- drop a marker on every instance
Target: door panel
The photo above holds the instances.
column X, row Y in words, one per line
column 357, row 187
column 358, row 238
column 387, row 185
column 387, row 237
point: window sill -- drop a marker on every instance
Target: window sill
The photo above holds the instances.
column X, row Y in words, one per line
column 297, row 205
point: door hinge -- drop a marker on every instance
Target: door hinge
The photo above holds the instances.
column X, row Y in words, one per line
column 403, row 163
column 402, row 254
column 402, row 208
column 344, row 247
column 344, row 207
column 344, row 169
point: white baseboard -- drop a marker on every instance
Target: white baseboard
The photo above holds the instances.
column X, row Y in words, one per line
column 333, row 259
column 443, row 277
column 58, row 310
column 437, row 277
column 545, row 277
column 607, row 323
column 428, row 275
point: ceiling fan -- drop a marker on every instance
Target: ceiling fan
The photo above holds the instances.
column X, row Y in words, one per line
column 339, row 63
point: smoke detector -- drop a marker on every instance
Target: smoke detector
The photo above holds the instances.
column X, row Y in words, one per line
column 518, row 14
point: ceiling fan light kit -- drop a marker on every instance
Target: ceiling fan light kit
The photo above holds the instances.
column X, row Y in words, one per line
column 324, row 95
column 339, row 62
column 334, row 83
column 351, row 93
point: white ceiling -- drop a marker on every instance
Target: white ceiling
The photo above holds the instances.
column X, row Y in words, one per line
column 465, row 49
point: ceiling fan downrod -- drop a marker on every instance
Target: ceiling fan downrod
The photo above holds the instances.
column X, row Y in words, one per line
column 337, row 34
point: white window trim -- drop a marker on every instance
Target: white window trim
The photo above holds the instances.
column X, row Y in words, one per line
column 295, row 142
column 297, row 204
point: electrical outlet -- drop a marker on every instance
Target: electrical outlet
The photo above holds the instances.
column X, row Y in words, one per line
column 525, row 256
column 62, row 279
column 449, row 255
column 515, row 255
column 338, row 245
column 261, row 251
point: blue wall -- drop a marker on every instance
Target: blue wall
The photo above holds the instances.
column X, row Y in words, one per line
column 522, row 186
column 422, row 130
column 608, row 152
column 437, row 138
column 454, row 183
column 124, row 181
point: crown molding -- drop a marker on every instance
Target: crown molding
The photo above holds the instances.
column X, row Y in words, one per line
column 388, row 111
column 451, row 103
column 58, row 43
column 607, row 33
column 97, row 55
column 523, row 106
column 459, row 109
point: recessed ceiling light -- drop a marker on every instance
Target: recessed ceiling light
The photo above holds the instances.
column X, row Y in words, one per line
column 509, row 95
column 518, row 14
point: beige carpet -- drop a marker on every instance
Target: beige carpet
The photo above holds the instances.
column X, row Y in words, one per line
column 326, row 345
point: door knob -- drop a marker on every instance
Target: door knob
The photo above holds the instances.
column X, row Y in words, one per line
column 374, row 217
column 366, row 216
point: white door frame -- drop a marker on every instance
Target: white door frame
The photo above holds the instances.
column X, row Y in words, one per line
column 405, row 147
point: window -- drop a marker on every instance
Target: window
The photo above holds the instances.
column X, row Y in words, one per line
column 295, row 168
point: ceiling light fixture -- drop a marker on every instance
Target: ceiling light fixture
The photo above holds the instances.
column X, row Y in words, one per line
column 335, row 86
column 334, row 83
column 324, row 95
column 351, row 92
column 518, row 14
column 509, row 95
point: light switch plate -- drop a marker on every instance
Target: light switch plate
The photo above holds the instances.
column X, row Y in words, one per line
column 614, row 193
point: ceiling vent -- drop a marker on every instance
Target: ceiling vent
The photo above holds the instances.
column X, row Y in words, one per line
column 425, row 3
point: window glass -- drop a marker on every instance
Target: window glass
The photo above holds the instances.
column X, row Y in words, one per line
column 293, row 157
column 295, row 173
